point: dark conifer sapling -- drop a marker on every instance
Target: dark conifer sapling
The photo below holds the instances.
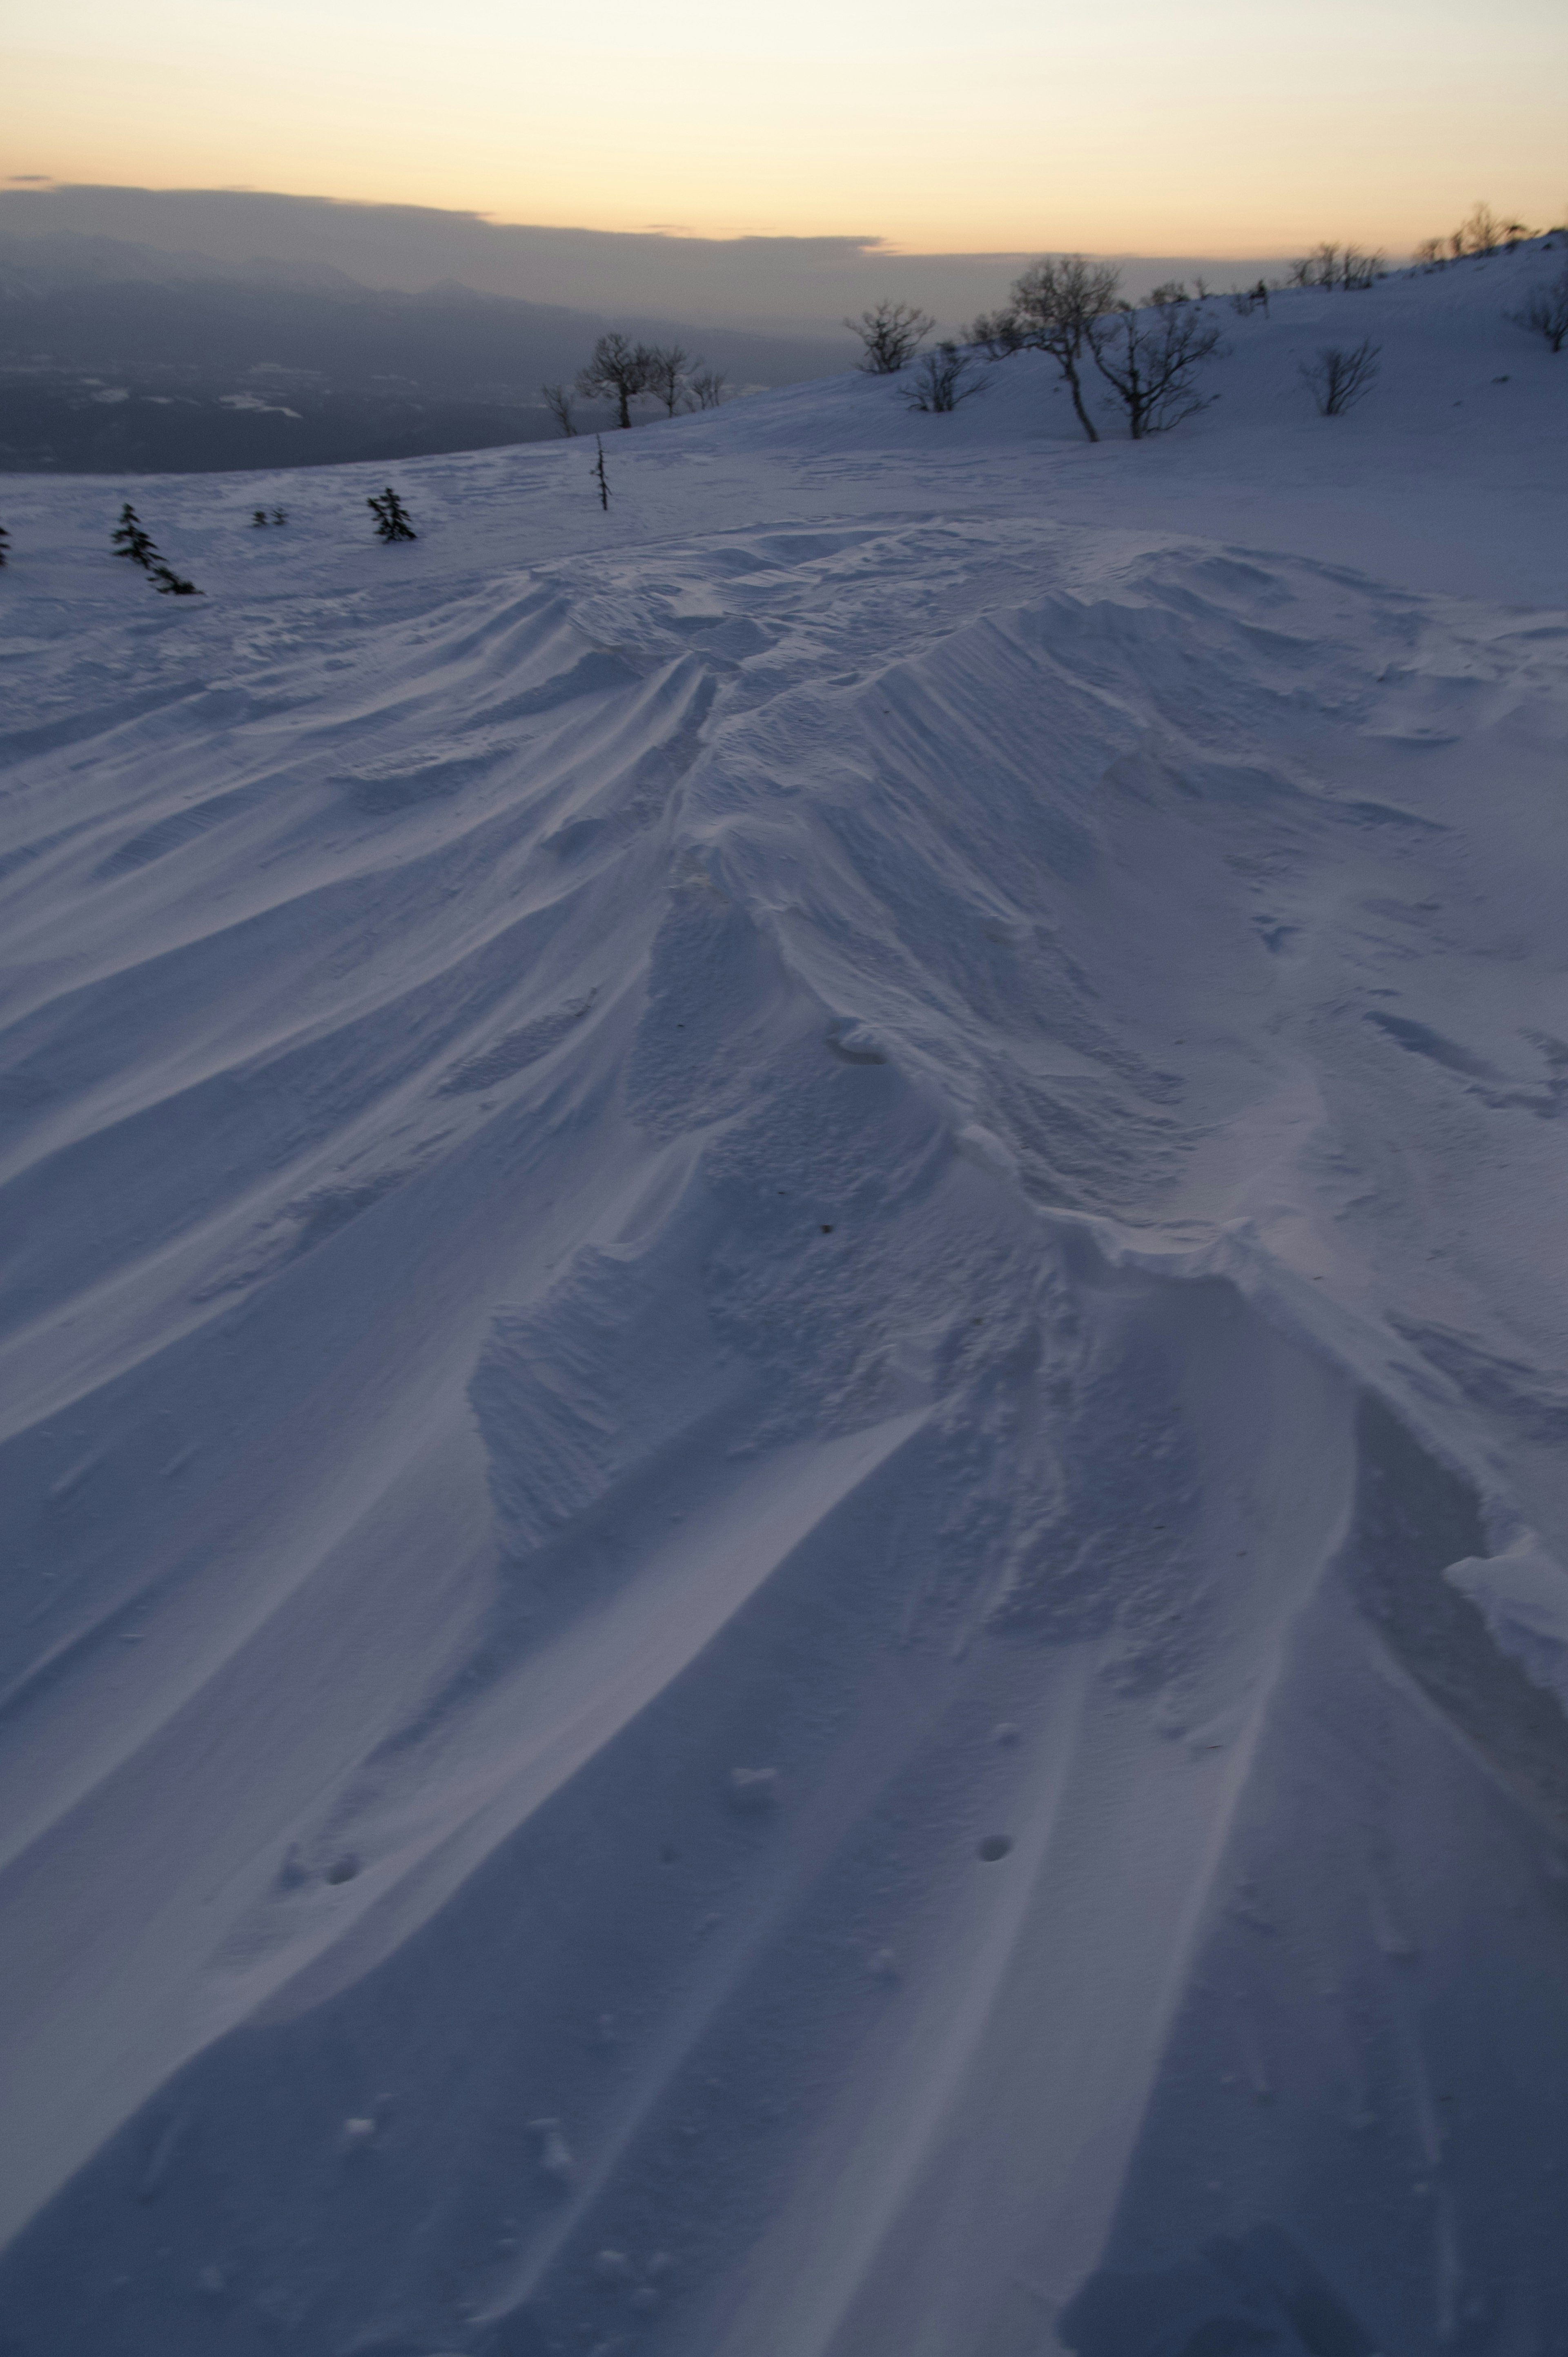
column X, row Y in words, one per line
column 169, row 582
column 130, row 540
column 391, row 517
column 4, row 544
column 258, row 516
column 600, row 475
column 280, row 515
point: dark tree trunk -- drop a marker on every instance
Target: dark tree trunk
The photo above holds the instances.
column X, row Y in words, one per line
column 1070, row 371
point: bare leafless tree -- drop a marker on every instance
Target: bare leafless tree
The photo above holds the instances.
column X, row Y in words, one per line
column 1482, row 233
column 1151, row 362
column 1339, row 379
column 1546, row 313
column 708, row 387
column 1336, row 265
column 940, row 381
column 998, row 333
column 891, row 334
column 557, row 400
column 1318, row 268
column 1430, row 253
column 666, row 374
column 1359, row 267
column 1173, row 291
column 1055, row 306
column 617, row 371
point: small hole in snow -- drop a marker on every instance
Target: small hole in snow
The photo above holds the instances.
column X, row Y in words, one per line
column 993, row 1846
column 344, row 1870
column 827, row 1228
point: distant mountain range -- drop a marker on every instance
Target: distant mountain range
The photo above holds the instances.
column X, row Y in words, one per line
column 117, row 358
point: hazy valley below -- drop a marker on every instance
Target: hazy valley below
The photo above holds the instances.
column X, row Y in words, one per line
column 119, row 359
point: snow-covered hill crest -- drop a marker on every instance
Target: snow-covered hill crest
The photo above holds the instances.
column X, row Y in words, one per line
column 785, row 1392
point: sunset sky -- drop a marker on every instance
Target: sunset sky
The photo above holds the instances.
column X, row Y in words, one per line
column 1213, row 127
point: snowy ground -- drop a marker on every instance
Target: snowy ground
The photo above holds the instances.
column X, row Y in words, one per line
column 784, row 1326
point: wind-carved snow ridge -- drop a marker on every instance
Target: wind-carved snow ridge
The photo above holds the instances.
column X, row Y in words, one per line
column 784, row 1457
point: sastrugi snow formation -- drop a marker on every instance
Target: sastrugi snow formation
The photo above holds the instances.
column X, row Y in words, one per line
column 785, row 1314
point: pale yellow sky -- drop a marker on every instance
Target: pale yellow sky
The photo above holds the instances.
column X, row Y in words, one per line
column 1212, row 126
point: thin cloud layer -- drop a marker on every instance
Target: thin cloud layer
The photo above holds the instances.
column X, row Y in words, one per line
column 748, row 279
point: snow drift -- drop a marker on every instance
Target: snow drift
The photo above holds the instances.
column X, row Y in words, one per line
column 784, row 1318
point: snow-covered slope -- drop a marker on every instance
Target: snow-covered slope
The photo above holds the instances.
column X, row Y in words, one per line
column 784, row 1327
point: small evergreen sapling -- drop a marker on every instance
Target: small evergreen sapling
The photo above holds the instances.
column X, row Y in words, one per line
column 258, row 516
column 4, row 544
column 129, row 540
column 280, row 515
column 599, row 476
column 391, row 517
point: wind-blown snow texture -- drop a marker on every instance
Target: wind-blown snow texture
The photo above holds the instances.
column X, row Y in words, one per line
column 710, row 1212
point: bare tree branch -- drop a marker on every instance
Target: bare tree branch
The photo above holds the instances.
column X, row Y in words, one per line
column 1546, row 313
column 940, row 381
column 557, row 400
column 617, row 371
column 1339, row 379
column 1483, row 232
column 1150, row 363
column 1055, row 306
column 999, row 333
column 666, row 375
column 891, row 334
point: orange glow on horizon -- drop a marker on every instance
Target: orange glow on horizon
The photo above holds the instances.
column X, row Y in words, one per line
column 1217, row 127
